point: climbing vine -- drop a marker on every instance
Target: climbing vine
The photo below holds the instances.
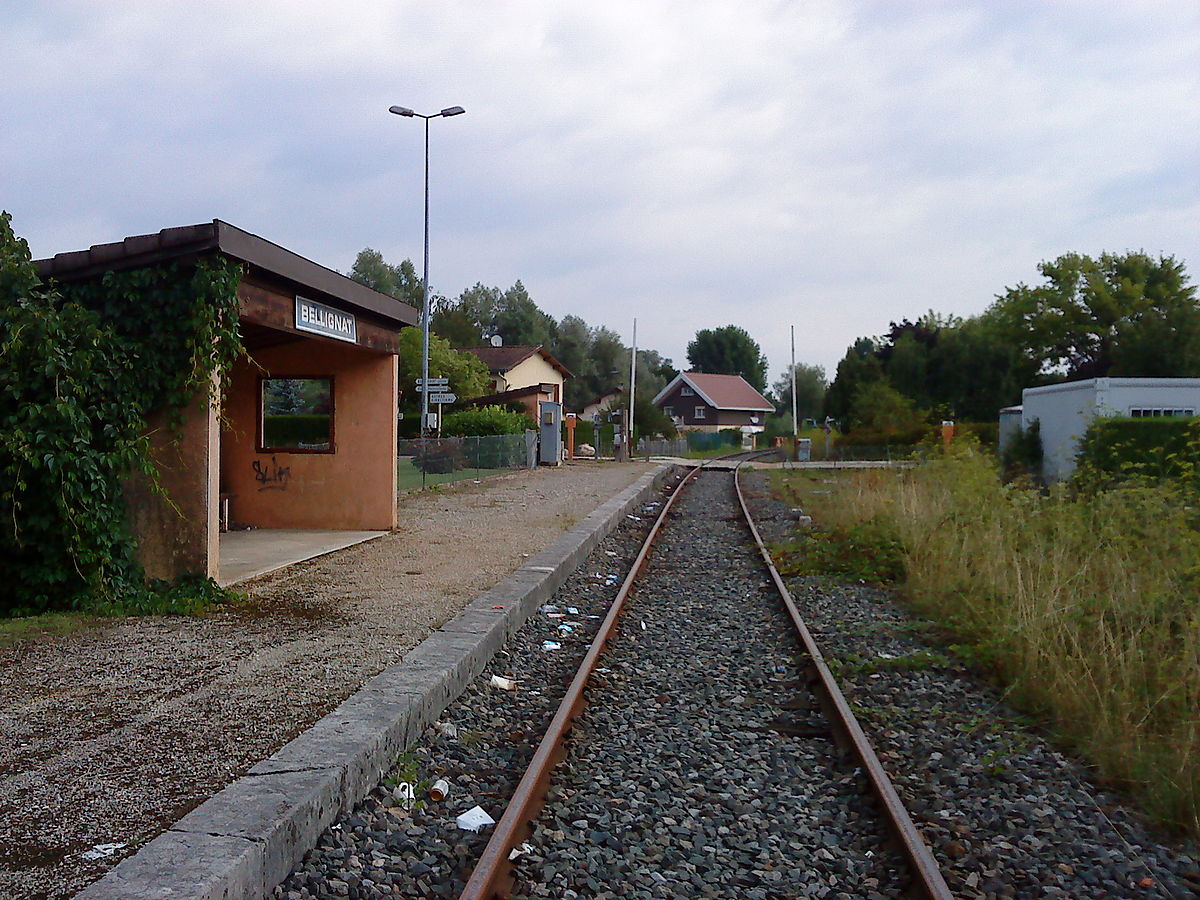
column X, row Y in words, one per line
column 82, row 368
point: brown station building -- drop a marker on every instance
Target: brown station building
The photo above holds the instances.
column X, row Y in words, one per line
column 307, row 435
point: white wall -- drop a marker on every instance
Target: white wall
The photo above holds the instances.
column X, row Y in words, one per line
column 1065, row 410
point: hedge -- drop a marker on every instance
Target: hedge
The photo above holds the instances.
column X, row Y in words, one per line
column 296, row 430
column 1156, row 448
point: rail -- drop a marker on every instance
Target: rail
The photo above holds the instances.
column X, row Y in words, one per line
column 493, row 876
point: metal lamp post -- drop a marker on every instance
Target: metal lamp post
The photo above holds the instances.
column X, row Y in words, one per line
column 408, row 113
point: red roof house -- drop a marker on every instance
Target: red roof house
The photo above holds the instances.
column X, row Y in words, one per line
column 701, row 401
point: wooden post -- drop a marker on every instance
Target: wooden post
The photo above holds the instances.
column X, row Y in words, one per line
column 570, row 421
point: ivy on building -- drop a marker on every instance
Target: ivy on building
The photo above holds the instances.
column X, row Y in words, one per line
column 83, row 368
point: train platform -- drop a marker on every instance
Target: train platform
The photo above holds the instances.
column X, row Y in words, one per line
column 246, row 837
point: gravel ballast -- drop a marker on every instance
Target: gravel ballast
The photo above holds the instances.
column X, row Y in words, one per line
column 1006, row 813
column 110, row 734
column 700, row 768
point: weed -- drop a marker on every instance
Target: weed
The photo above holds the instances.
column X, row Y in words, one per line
column 868, row 553
column 407, row 770
column 1085, row 605
column 47, row 625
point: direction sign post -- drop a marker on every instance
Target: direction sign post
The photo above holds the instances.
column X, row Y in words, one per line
column 442, row 397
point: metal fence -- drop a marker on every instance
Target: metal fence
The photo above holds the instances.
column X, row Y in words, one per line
column 662, row 447
column 447, row 459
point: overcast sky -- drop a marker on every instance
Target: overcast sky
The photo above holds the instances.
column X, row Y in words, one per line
column 829, row 165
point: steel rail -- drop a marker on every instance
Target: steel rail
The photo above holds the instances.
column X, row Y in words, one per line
column 492, row 877
column 927, row 876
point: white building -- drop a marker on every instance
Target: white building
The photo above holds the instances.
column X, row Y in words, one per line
column 1064, row 411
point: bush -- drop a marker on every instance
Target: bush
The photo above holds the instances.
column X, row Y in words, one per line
column 891, row 437
column 1023, row 455
column 84, row 367
column 296, row 430
column 1117, row 449
column 484, row 420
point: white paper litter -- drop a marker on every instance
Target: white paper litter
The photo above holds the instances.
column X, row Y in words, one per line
column 474, row 819
column 520, row 851
column 505, row 684
column 102, row 851
column 446, row 729
column 551, row 645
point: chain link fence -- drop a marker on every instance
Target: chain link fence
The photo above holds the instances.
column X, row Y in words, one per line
column 662, row 447
column 449, row 459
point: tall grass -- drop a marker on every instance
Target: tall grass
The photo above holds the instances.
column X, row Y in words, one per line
column 1087, row 606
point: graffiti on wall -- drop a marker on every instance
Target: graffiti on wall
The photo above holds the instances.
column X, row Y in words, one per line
column 271, row 476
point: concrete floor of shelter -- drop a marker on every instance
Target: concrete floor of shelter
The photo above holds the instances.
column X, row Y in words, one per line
column 247, row 554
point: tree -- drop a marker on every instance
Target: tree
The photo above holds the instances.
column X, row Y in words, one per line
column 973, row 372
column 451, row 322
column 880, row 407
column 729, row 351
column 810, row 391
column 522, row 322
column 400, row 281
column 858, row 368
column 467, row 373
column 1123, row 313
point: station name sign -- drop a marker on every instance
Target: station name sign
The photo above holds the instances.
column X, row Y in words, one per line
column 318, row 318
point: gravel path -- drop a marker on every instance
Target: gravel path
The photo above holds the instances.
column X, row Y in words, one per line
column 695, row 771
column 110, row 734
column 1006, row 814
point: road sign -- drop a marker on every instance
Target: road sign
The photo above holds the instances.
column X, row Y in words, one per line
column 434, row 383
column 442, row 398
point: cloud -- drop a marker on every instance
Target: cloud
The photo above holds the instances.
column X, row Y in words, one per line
column 835, row 165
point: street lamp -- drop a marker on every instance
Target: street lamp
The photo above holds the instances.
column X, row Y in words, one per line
column 408, row 113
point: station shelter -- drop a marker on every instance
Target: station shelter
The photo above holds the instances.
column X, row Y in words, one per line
column 306, row 438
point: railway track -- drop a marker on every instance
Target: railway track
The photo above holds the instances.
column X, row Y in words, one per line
column 705, row 766
column 716, row 755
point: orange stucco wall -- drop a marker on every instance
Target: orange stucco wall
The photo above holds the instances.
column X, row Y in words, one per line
column 352, row 488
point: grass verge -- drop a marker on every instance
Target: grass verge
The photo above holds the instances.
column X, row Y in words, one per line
column 1086, row 606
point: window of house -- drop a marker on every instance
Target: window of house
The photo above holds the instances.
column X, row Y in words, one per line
column 686, row 391
column 296, row 415
column 1146, row 412
column 701, row 411
column 668, row 412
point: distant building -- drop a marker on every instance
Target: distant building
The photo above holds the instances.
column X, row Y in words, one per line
column 521, row 374
column 699, row 401
column 602, row 404
column 1064, row 412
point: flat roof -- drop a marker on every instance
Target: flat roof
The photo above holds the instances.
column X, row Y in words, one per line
column 221, row 237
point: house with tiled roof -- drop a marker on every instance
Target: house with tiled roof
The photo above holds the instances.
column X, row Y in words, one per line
column 701, row 401
column 521, row 374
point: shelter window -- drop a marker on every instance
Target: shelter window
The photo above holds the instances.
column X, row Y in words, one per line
column 1144, row 412
column 296, row 415
column 700, row 412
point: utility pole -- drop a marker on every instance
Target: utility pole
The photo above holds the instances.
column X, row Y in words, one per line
column 795, row 424
column 632, row 386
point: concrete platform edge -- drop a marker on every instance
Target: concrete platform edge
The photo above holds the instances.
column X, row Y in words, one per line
column 248, row 837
